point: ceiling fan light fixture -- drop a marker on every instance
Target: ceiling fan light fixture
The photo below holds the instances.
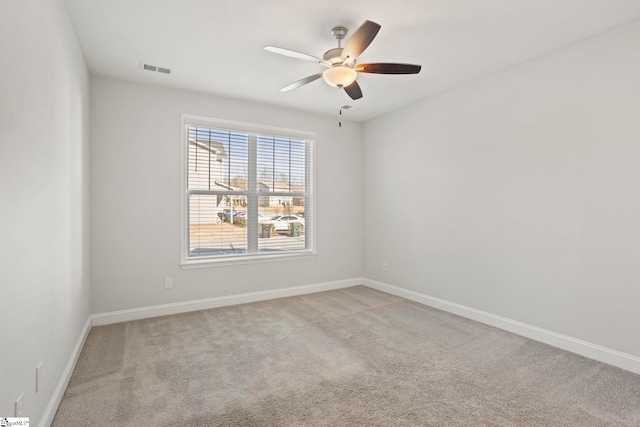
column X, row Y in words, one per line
column 341, row 61
column 339, row 76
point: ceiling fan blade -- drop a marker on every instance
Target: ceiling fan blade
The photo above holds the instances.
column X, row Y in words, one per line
column 353, row 90
column 297, row 55
column 360, row 40
column 388, row 68
column 301, row 82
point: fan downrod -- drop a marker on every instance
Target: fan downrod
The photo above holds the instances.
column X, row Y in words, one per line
column 333, row 55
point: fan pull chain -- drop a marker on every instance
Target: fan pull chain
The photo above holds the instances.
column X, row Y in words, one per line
column 339, row 108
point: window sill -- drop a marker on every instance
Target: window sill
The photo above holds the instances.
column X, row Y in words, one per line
column 245, row 259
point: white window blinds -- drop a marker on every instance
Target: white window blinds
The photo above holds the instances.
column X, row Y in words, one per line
column 248, row 193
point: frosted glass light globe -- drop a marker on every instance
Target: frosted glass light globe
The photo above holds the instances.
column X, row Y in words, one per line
column 339, row 76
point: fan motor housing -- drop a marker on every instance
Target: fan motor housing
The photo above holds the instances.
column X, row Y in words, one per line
column 333, row 55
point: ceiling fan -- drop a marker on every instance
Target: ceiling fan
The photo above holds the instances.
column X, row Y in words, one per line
column 342, row 69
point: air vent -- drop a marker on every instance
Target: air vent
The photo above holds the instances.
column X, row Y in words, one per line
column 155, row 68
column 348, row 107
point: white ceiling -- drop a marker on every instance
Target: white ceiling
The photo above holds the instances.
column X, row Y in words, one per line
column 216, row 46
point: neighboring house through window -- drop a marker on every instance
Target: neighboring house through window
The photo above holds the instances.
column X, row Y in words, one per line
column 247, row 192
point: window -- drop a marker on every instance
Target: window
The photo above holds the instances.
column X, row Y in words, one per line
column 247, row 192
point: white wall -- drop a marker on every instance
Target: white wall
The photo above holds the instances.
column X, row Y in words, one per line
column 518, row 194
column 135, row 204
column 44, row 229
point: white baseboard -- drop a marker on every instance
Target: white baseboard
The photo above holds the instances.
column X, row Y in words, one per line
column 204, row 304
column 61, row 387
column 592, row 351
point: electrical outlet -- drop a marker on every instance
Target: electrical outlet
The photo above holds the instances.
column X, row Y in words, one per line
column 38, row 374
column 168, row 283
column 17, row 407
column 385, row 267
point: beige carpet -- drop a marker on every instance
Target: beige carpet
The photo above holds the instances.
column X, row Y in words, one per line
column 352, row 357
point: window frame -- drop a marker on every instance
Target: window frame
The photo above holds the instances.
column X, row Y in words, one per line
column 187, row 262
